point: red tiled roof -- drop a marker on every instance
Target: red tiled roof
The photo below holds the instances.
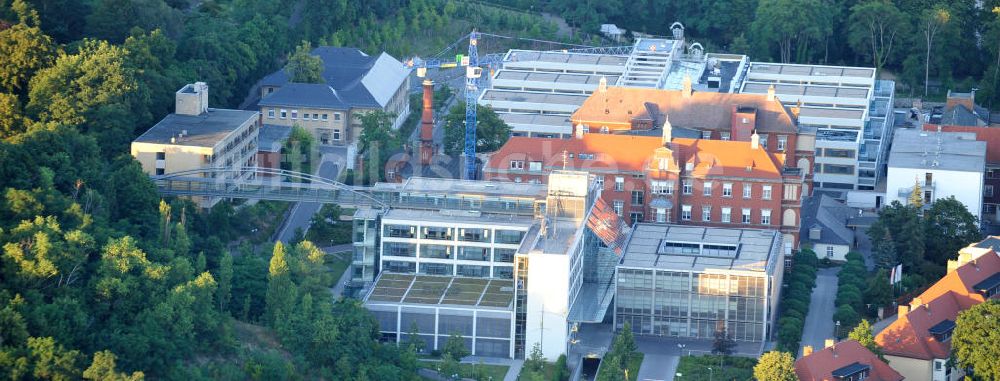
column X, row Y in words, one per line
column 820, row 365
column 909, row 335
column 631, row 153
column 990, row 135
column 700, row 110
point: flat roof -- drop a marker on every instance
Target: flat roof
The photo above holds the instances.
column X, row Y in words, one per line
column 471, row 187
column 537, row 119
column 651, row 246
column 442, row 290
column 550, row 77
column 655, row 44
column 811, row 70
column 205, row 130
column 516, row 56
column 533, row 97
column 852, row 92
column 458, row 216
column 950, row 151
column 824, row 112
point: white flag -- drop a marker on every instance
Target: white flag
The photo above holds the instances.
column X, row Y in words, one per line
column 897, row 274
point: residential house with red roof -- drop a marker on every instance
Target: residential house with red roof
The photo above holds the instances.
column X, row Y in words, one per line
column 669, row 180
column 918, row 342
column 847, row 360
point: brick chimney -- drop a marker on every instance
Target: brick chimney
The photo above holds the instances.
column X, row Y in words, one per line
column 427, row 124
column 744, row 122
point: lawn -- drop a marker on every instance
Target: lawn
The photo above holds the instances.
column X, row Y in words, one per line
column 633, row 366
column 733, row 368
column 548, row 372
column 494, row 372
column 337, row 265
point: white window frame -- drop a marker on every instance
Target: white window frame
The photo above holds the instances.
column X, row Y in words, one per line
column 829, row 251
column 687, row 186
column 765, row 216
column 535, row 166
column 517, row 164
column 727, row 189
column 791, row 192
column 747, row 191
column 727, row 215
column 685, row 212
column 336, row 116
column 270, row 113
column 706, row 213
column 706, row 135
column 706, row 188
column 283, row 114
column 661, row 215
column 295, row 114
column 619, row 207
column 746, row 215
column 725, row 136
column 782, row 142
column 600, row 182
column 619, row 183
column 765, row 192
column 336, row 134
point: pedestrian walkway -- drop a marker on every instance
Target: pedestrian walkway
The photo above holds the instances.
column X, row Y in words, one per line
column 819, row 323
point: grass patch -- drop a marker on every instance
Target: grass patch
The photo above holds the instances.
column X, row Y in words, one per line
column 338, row 266
column 467, row 370
column 733, row 368
column 634, row 362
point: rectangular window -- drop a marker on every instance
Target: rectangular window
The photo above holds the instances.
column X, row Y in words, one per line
column 474, row 235
column 517, row 164
column 510, row 237
column 284, row 113
column 600, row 182
column 504, row 255
column 635, row 217
column 336, row 134
column 305, row 116
column 791, row 192
column 706, row 188
column 336, row 116
column 706, row 213
column 324, row 116
column 295, row 114
column 270, row 113
column 619, row 205
column 746, row 215
column 765, row 216
column 619, row 184
column 988, row 191
column 638, row 198
column 763, row 141
column 535, row 166
column 686, row 186
column 747, row 190
column 727, row 214
column 829, row 251
column 766, row 192
column 706, row 134
column 725, row 136
column 159, row 171
column 161, row 156
column 727, row 189
column 661, row 187
column 840, row 153
column 782, row 140
column 437, row 233
column 685, row 212
column 661, row 215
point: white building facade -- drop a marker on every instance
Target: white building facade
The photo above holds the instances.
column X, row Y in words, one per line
column 942, row 164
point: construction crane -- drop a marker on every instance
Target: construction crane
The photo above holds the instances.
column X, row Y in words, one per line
column 474, row 64
column 473, row 72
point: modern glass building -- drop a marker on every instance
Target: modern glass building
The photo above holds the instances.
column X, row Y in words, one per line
column 686, row 281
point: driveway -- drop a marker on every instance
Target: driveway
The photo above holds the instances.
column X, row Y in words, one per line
column 819, row 324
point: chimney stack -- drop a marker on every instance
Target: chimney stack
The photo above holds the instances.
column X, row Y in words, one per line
column 807, row 350
column 916, row 303
column 427, row 124
column 686, row 86
column 903, row 310
column 668, row 130
column 755, row 140
column 770, row 93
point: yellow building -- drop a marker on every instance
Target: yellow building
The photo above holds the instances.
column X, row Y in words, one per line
column 196, row 136
column 353, row 85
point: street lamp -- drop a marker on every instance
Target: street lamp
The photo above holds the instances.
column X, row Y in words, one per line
column 711, row 373
column 679, row 375
column 680, row 348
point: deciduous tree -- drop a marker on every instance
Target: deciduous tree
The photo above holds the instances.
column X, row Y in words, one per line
column 875, row 26
column 491, row 131
column 976, row 340
column 303, row 67
column 775, row 366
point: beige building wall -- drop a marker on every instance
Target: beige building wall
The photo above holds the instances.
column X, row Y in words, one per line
column 329, row 131
column 834, row 252
column 911, row 369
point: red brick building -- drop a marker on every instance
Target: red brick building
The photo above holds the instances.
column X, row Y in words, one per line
column 846, row 360
column 710, row 115
column 664, row 179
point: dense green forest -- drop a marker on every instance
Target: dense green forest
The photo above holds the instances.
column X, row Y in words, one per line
column 100, row 278
column 961, row 41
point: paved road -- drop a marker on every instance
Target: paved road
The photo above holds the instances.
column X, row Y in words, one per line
column 658, row 367
column 338, row 288
column 302, row 212
column 819, row 324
